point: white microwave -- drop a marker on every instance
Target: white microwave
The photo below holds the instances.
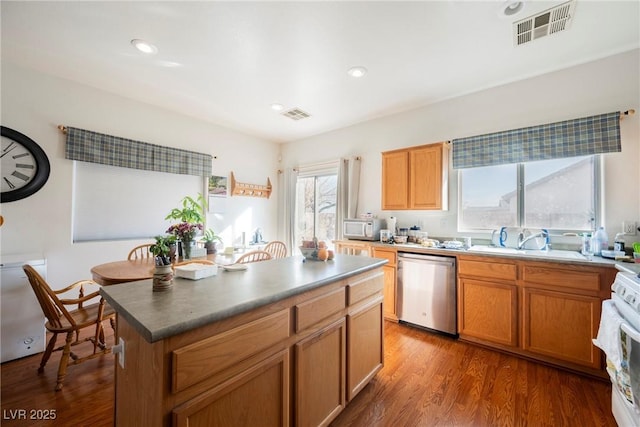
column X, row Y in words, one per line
column 362, row 229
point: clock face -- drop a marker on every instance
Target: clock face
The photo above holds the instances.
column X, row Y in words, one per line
column 24, row 166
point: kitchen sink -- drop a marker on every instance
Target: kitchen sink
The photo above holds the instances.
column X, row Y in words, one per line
column 551, row 253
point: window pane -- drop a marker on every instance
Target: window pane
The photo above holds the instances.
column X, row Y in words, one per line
column 559, row 194
column 326, row 187
column 488, row 197
column 316, row 208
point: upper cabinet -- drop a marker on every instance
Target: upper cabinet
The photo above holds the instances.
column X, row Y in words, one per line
column 416, row 178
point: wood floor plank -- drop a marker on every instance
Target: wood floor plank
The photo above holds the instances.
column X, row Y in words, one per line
column 428, row 380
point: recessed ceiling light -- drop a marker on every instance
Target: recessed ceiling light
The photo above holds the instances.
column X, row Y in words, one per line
column 144, row 46
column 277, row 107
column 510, row 8
column 358, row 71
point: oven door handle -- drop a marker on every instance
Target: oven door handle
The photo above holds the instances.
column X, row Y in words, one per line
column 629, row 330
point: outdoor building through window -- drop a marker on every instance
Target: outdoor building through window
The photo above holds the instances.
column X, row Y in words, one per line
column 315, row 216
column 559, row 194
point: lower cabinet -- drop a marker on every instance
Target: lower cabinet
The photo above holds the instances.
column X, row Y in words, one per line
column 321, row 376
column 488, row 311
column 390, row 281
column 365, row 343
column 258, row 396
column 561, row 325
column 542, row 310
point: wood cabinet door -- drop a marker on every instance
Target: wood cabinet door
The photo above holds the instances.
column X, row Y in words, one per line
column 390, row 292
column 257, row 396
column 395, row 180
column 561, row 325
column 488, row 311
column 425, row 172
column 320, row 370
column 365, row 344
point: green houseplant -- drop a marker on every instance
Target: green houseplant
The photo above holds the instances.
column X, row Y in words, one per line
column 191, row 218
column 192, row 211
column 209, row 238
column 163, row 249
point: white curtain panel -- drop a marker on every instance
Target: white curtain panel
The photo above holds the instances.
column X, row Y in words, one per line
column 348, row 188
column 288, row 179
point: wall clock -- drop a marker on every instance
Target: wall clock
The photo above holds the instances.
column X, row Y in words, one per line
column 24, row 168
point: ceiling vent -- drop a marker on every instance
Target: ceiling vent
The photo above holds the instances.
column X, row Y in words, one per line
column 296, row 114
column 544, row 23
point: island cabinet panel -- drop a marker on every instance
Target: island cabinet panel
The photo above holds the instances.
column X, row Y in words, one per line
column 281, row 363
column 312, row 311
column 197, row 361
column 488, row 311
column 364, row 333
column 256, row 397
column 320, row 370
column 364, row 287
column 561, row 325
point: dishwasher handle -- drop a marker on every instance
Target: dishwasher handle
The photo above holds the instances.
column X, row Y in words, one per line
column 429, row 259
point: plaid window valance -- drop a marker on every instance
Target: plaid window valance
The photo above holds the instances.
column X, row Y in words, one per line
column 570, row 138
column 88, row 146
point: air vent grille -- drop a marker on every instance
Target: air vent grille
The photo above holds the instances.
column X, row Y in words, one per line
column 296, row 114
column 548, row 22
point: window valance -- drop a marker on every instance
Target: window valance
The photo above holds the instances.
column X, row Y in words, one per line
column 569, row 138
column 94, row 147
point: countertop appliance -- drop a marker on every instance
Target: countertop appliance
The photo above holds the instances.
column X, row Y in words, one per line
column 22, row 323
column 362, row 229
column 427, row 291
column 619, row 337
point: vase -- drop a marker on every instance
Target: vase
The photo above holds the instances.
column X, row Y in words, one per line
column 163, row 278
column 187, row 246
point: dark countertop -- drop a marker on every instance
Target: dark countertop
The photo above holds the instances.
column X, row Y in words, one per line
column 191, row 304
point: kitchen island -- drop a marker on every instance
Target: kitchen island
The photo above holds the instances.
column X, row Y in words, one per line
column 284, row 342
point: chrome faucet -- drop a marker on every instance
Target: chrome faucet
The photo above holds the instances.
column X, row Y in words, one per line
column 522, row 240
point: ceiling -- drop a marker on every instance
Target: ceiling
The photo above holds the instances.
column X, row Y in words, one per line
column 227, row 62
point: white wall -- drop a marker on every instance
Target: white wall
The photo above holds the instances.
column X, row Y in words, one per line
column 606, row 85
column 35, row 104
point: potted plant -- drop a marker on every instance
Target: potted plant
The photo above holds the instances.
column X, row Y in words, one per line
column 162, row 248
column 192, row 210
column 191, row 217
column 163, row 273
column 209, row 238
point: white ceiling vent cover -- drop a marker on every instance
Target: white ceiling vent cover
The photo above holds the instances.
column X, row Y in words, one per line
column 544, row 23
column 296, row 114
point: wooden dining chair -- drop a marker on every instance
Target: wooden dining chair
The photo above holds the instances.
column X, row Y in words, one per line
column 70, row 321
column 277, row 249
column 254, row 256
column 140, row 252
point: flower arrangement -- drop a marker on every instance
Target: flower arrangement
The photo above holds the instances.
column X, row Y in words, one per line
column 185, row 231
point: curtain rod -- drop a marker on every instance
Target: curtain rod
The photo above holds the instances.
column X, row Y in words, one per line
column 629, row 112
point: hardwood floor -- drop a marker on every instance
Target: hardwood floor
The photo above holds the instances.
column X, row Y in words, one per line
column 428, row 380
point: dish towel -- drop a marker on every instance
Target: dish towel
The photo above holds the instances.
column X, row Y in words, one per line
column 608, row 338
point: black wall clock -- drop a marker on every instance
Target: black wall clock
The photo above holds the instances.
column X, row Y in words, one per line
column 24, row 168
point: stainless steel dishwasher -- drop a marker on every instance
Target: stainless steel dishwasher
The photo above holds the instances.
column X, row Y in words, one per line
column 427, row 291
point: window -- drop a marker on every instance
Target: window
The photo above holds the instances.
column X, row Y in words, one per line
column 559, row 194
column 316, row 198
